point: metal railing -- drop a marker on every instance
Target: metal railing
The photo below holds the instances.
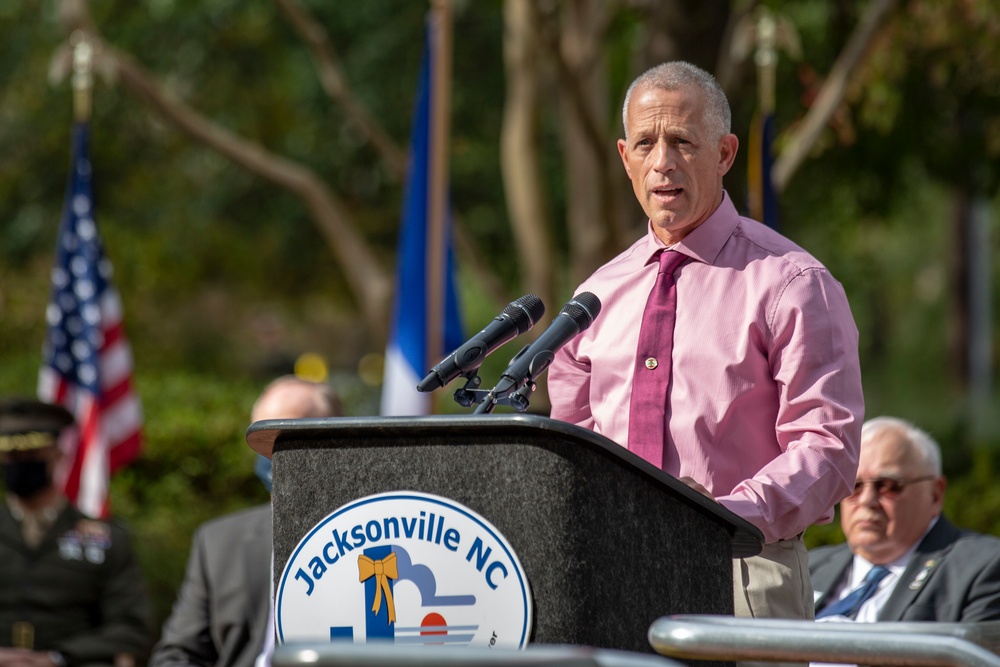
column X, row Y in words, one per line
column 346, row 654
column 917, row 644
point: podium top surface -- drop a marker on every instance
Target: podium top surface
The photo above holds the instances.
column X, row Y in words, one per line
column 262, row 436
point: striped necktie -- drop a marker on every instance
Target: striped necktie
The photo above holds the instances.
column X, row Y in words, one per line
column 850, row 605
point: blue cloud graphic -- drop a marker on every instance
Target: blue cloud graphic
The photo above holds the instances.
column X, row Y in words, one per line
column 424, row 580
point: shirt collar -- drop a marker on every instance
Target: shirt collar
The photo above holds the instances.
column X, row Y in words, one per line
column 705, row 241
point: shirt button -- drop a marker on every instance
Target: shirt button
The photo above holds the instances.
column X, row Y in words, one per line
column 652, row 363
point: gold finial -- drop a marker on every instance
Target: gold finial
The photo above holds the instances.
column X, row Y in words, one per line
column 83, row 76
column 766, row 58
column 763, row 33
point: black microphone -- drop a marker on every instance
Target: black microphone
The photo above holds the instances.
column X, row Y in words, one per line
column 516, row 318
column 578, row 314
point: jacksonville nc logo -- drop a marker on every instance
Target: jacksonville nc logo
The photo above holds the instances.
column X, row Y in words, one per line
column 406, row 567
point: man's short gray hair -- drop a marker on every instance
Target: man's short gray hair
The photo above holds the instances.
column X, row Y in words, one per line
column 925, row 445
column 676, row 75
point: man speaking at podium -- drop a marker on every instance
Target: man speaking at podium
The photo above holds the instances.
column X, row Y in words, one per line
column 725, row 354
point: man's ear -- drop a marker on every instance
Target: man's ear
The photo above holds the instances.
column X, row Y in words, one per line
column 622, row 151
column 940, row 485
column 728, row 146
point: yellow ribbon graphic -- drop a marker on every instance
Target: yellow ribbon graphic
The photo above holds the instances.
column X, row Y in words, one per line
column 383, row 570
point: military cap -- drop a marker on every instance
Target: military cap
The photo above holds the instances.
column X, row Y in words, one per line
column 30, row 424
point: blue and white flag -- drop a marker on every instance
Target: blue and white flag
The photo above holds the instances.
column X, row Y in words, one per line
column 406, row 357
column 762, row 198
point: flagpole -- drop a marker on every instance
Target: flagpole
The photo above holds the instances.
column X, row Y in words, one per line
column 441, row 46
column 761, row 198
column 766, row 59
column 83, row 76
column 87, row 364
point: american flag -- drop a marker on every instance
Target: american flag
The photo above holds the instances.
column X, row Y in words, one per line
column 87, row 364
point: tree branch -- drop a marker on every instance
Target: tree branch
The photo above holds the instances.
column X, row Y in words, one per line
column 334, row 83
column 830, row 96
column 369, row 283
column 519, row 158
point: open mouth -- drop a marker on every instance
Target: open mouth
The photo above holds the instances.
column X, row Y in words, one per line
column 665, row 191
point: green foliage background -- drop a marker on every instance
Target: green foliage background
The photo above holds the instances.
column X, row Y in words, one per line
column 226, row 280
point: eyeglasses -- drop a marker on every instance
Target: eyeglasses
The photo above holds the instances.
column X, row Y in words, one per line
column 887, row 487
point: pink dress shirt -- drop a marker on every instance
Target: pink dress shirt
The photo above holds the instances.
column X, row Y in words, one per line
column 766, row 404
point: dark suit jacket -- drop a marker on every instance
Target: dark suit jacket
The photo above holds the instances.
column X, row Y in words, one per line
column 221, row 614
column 954, row 576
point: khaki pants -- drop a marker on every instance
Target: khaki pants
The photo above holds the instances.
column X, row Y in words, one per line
column 774, row 584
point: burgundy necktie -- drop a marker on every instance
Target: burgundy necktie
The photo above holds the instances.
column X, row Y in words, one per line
column 647, row 410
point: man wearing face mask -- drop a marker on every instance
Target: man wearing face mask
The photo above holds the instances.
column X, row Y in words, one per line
column 221, row 616
column 71, row 590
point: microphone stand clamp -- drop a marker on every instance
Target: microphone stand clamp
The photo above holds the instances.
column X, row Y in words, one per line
column 486, row 400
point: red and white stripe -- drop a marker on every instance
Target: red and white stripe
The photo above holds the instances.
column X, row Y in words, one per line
column 108, row 433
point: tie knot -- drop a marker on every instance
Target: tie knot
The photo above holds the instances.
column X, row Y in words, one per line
column 876, row 574
column 670, row 260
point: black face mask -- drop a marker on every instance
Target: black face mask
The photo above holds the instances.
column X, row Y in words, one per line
column 26, row 478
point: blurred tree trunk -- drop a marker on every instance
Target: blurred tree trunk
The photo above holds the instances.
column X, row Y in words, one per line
column 970, row 332
column 689, row 30
column 594, row 176
column 520, row 161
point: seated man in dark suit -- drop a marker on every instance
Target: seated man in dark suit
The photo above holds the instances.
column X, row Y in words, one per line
column 914, row 563
column 220, row 618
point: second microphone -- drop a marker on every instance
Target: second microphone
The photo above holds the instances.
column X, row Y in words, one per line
column 517, row 318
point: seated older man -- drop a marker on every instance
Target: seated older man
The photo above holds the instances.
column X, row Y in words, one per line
column 903, row 560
